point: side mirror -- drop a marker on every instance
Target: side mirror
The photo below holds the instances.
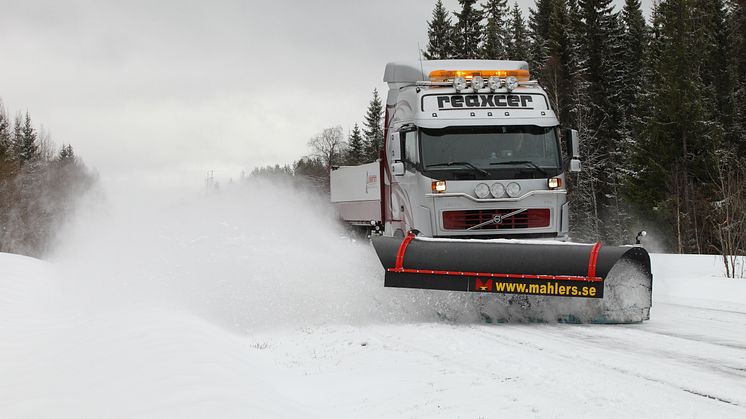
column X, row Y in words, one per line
column 395, row 147
column 573, row 148
column 397, row 169
column 575, row 166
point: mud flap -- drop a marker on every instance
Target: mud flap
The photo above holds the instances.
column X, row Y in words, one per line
column 507, row 267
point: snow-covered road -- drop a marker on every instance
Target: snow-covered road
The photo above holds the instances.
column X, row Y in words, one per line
column 687, row 362
column 192, row 316
column 145, row 362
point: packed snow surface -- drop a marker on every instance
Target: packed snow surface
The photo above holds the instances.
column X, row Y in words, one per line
column 251, row 302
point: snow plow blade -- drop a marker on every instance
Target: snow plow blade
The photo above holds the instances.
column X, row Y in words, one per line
column 591, row 283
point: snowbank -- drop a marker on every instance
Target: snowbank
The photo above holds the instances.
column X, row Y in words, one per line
column 696, row 280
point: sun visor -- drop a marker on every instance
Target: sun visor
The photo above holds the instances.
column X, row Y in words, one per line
column 437, row 123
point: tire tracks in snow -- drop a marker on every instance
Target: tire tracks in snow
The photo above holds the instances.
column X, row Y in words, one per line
column 727, row 320
column 574, row 336
column 558, row 360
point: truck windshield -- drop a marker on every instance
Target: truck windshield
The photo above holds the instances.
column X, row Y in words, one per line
column 512, row 151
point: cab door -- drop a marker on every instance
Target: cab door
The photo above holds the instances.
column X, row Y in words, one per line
column 405, row 183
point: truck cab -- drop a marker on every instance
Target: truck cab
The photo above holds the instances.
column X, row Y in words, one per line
column 472, row 150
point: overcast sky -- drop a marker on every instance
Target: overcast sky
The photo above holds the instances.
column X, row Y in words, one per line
column 170, row 89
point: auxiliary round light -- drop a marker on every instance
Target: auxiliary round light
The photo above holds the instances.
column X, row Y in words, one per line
column 494, row 83
column 511, row 82
column 459, row 83
column 477, row 82
column 482, row 191
column 513, row 189
column 497, row 190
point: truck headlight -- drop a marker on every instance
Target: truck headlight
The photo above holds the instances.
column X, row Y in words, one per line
column 513, row 189
column 439, row 186
column 497, row 190
column 554, row 182
column 482, row 191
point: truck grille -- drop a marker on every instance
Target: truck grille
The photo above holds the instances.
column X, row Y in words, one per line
column 461, row 220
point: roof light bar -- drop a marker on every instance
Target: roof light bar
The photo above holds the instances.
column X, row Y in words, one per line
column 449, row 75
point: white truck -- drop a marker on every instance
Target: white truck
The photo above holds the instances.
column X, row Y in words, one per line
column 480, row 157
column 472, row 151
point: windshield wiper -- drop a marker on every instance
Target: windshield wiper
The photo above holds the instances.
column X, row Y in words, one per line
column 461, row 163
column 528, row 162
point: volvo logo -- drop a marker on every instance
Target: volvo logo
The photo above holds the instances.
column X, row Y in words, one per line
column 497, row 219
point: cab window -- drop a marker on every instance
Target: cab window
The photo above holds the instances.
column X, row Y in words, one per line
column 411, row 157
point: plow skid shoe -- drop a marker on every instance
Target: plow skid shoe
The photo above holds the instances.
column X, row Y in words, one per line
column 570, row 282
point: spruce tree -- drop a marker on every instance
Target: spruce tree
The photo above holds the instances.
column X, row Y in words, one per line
column 6, row 143
column 578, row 102
column 373, row 131
column 575, row 16
column 7, row 168
column 737, row 45
column 496, row 36
column 356, row 144
column 439, row 34
column 66, row 155
column 539, row 33
column 16, row 137
column 28, row 150
column 557, row 74
column 23, row 140
column 467, row 33
column 633, row 64
column 518, row 41
column 713, row 31
column 635, row 94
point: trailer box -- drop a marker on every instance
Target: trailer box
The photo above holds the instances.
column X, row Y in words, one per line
column 356, row 193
